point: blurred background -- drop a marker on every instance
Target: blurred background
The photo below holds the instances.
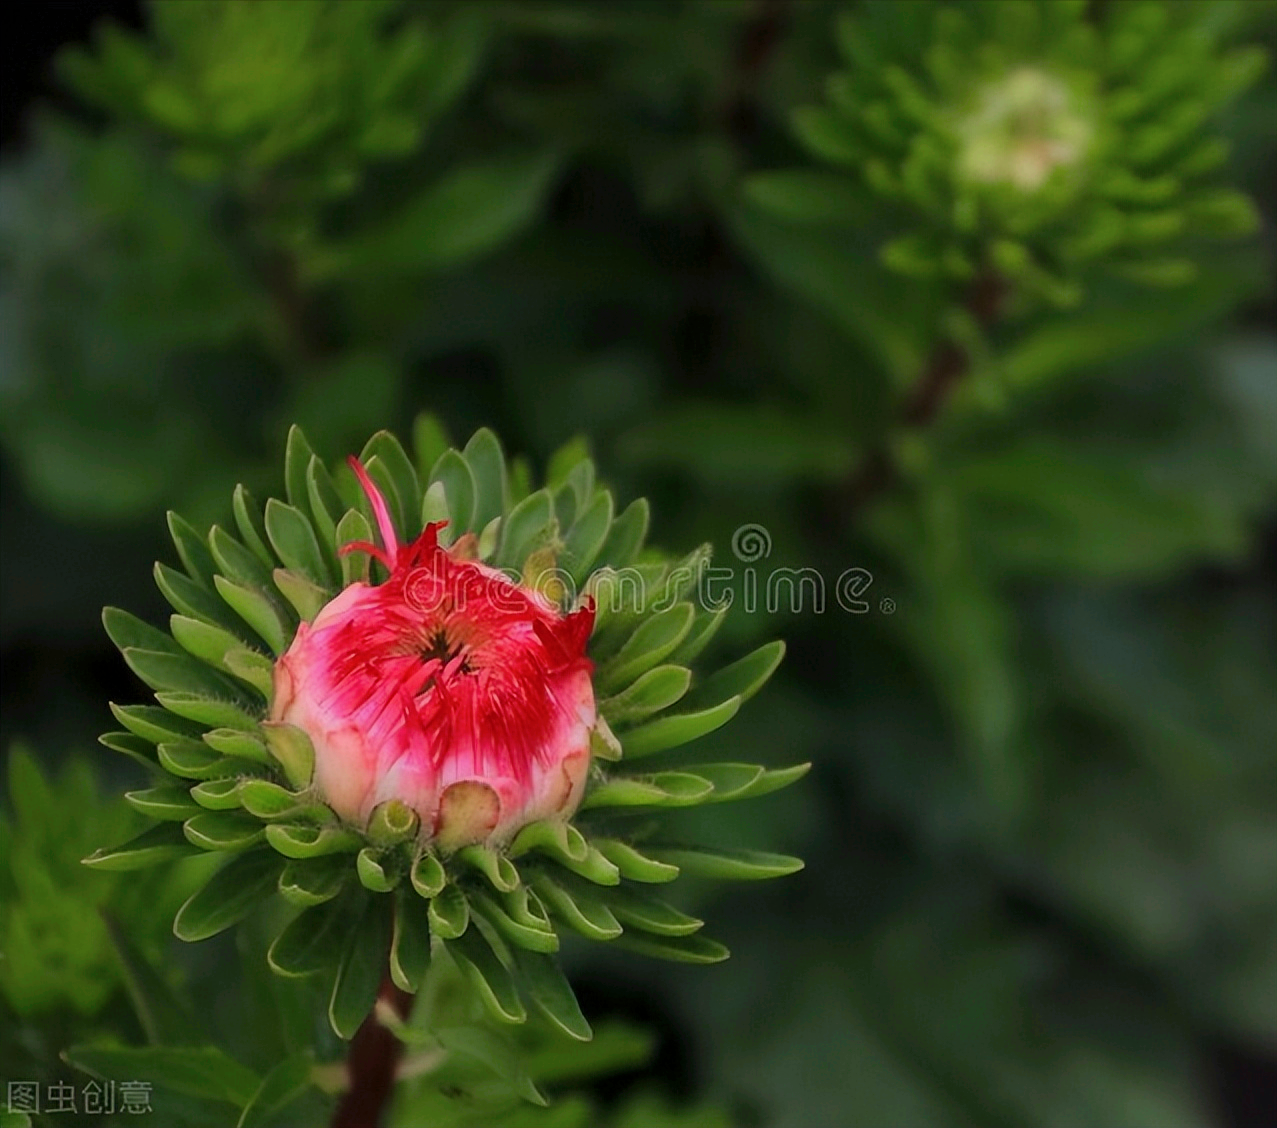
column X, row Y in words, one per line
column 1041, row 826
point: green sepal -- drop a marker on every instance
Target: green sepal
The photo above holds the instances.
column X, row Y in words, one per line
column 191, row 550
column 586, row 537
column 355, row 565
column 449, row 913
column 526, row 528
column 728, row 865
column 547, row 836
column 517, row 932
column 742, row 678
column 155, row 724
column 490, row 978
column 266, row 799
column 626, row 536
column 487, row 463
column 297, row 457
column 633, row 864
column 704, row 628
column 661, row 789
column 217, row 794
column 360, row 970
column 579, row 909
column 258, row 610
column 286, row 1083
column 550, row 992
column 678, row 728
column 222, row 830
column 655, row 690
column 303, row 841
column 189, row 760
column 457, row 479
column 409, row 941
column 306, row 597
column 169, row 803
column 428, row 875
column 228, row 896
column 434, row 506
column 238, row 743
column 746, row 781
column 681, row 949
column 375, row 874
column 218, row 646
column 293, row 537
column 313, row 940
column 655, row 638
column 178, row 672
column 312, row 881
column 400, row 474
column 213, row 712
column 502, row 874
column 238, row 564
column 636, row 909
column 158, row 844
column 392, row 822
column 134, row 747
column 292, row 749
column 248, row 520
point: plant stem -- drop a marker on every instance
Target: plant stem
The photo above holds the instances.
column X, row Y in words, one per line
column 372, row 1062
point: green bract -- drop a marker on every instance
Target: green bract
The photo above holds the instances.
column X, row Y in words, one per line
column 228, row 781
column 1026, row 139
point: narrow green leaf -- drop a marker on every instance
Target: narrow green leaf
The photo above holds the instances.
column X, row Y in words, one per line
column 528, row 526
column 288, row 1082
column 159, row 844
column 196, row 1071
column 545, row 984
column 578, row 909
column 454, row 473
column 499, row 1054
column 313, row 881
column 259, row 611
column 502, row 874
column 134, row 747
column 236, row 562
column 217, row 794
column 360, row 971
column 626, row 536
column 222, row 831
column 248, row 520
column 449, row 913
column 682, row 949
column 196, row 761
column 657, row 689
column 634, row 865
column 636, row 909
column 487, row 463
column 229, row 896
column 238, row 743
column 429, row 441
column 156, row 725
column 165, row 1019
column 299, row 841
column 293, row 538
column 731, row 865
column 191, row 550
column 197, row 602
column 353, row 528
column 680, row 728
column 208, row 711
column 376, row 870
column 518, row 933
column 297, row 456
column 305, row 597
column 587, row 536
column 490, row 978
column 314, row 940
column 661, row 789
column 428, row 876
column 387, row 449
column 170, row 803
column 742, row 678
column 409, row 941
column 647, row 647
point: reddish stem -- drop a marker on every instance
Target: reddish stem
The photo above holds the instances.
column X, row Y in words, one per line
column 372, row 1061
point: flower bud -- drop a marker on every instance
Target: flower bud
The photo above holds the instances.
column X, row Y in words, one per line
column 450, row 688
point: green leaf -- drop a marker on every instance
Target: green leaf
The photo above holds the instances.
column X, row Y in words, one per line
column 208, row 711
column 681, row 949
column 196, row 761
column 743, row 678
column 662, row 789
column 729, row 865
column 634, row 865
column 468, row 213
column 490, row 978
column 449, row 913
column 745, row 781
column 238, row 743
column 196, row 1071
column 259, row 611
column 647, row 646
column 192, row 551
column 587, row 536
column 312, row 881
column 159, row 844
column 526, row 528
column 655, row 690
column 134, row 747
column 626, row 536
column 285, row 1083
column 181, row 674
column 498, row 1053
column 680, row 728
column 459, row 487
column 429, row 441
column 398, row 468
column 297, row 456
column 156, row 725
column 518, row 933
column 410, row 941
column 222, row 830
column 300, row 842
column 230, row 894
column 579, row 909
column 487, row 463
column 168, row 803
column 353, row 528
column 248, row 520
column 636, row 909
column 361, row 968
column 164, row 1018
column 545, row 984
column 197, row 602
column 375, row 874
column 428, row 876
column 235, row 562
column 501, row 873
column 294, row 540
column 314, row 939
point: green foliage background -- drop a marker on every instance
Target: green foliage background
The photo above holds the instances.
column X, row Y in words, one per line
column 1041, row 830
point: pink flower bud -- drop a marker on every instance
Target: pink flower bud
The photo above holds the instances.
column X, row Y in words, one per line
column 449, row 687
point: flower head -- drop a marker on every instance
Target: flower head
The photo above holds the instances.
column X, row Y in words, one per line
column 449, row 687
